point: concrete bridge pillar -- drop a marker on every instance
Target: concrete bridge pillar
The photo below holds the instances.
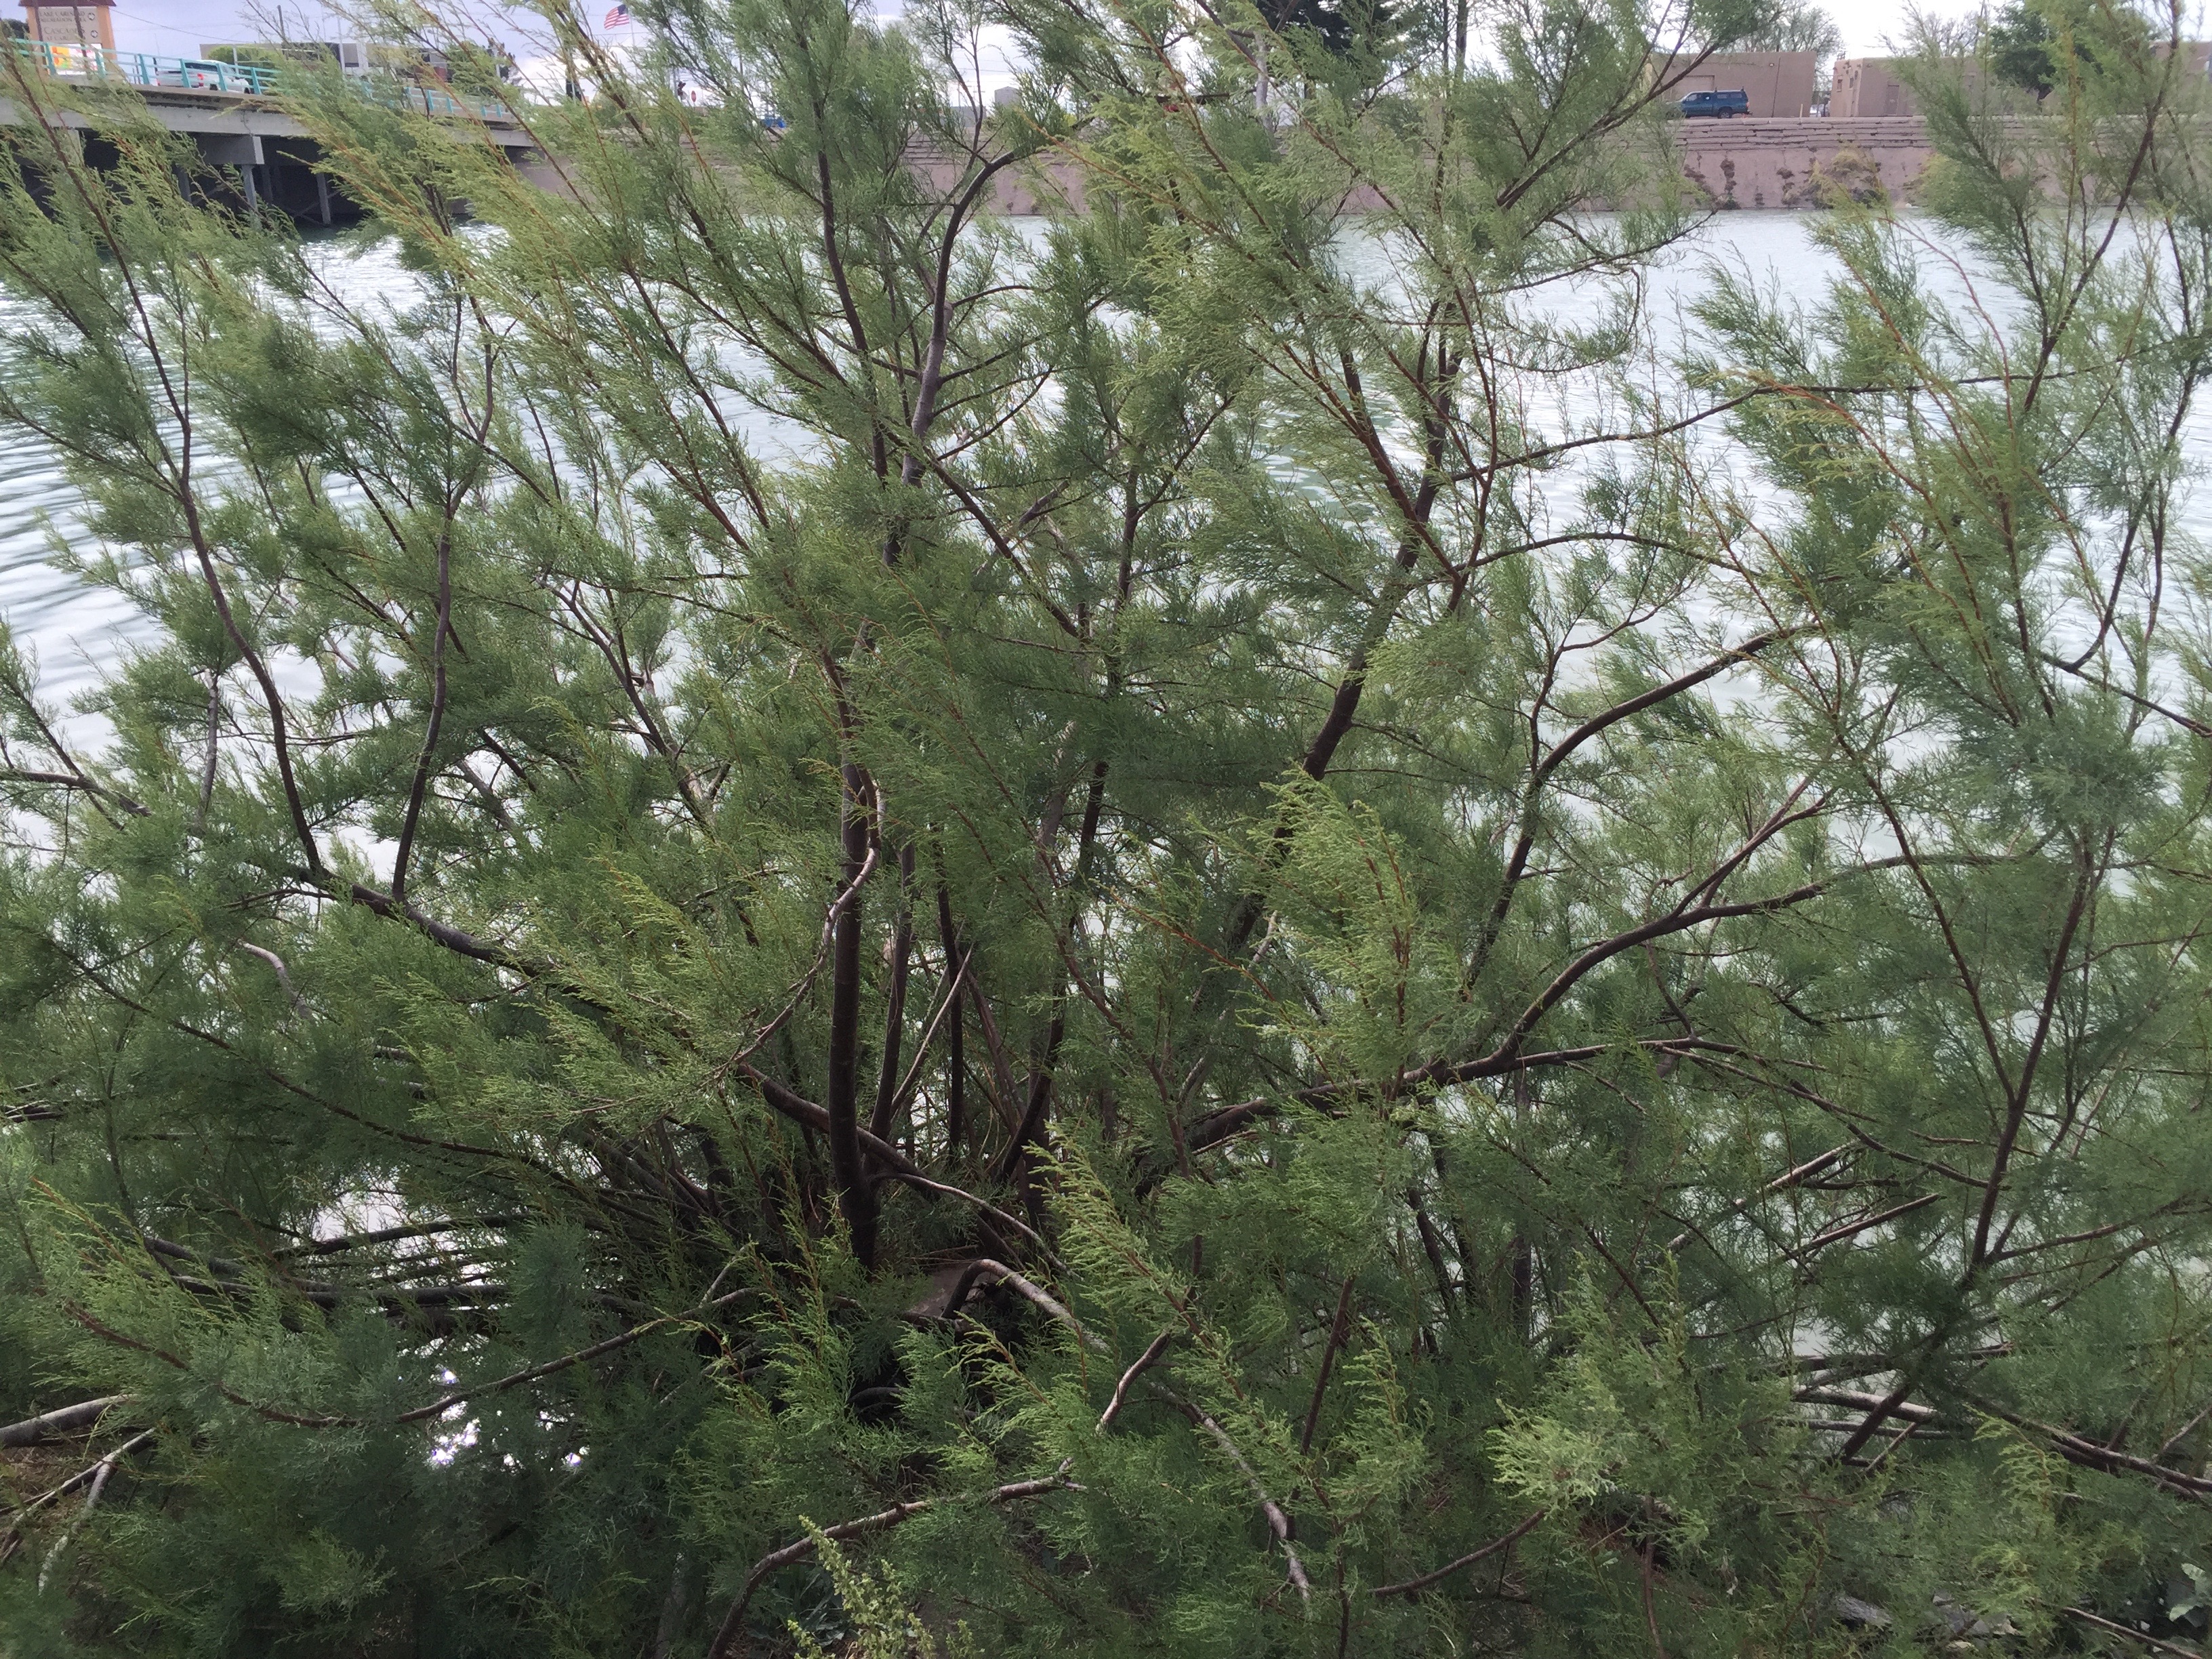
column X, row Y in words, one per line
column 241, row 150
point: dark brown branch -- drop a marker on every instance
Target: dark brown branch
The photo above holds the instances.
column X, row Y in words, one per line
column 392, row 1234
column 279, row 741
column 452, row 939
column 948, row 1007
column 2090, row 1456
column 1336, row 1333
column 1858, row 1399
column 428, row 758
column 1676, row 921
column 887, row 1069
column 800, row 1110
column 75, row 780
column 956, row 1048
column 269, row 1414
column 1525, row 843
column 1220, row 1124
column 1851, row 1229
column 855, row 1196
column 84, row 1413
column 1782, row 1183
column 2016, row 1112
column 1881, row 1411
column 1415, row 1586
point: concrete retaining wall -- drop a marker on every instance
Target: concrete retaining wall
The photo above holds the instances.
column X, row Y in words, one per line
column 1782, row 163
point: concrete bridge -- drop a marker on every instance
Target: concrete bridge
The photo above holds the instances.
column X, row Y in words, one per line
column 225, row 110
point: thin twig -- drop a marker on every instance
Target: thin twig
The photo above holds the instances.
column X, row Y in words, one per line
column 800, row 1549
column 283, row 976
column 1414, row 1586
column 1336, row 1331
column 2150, row 1641
column 96, row 1472
column 74, row 780
column 2182, row 1433
column 1278, row 1521
column 99, row 1472
column 1144, row 1362
column 439, row 1406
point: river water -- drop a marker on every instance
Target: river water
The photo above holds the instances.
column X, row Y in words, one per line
column 76, row 631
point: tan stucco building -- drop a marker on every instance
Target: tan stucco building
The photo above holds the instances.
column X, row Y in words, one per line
column 1868, row 88
column 1777, row 82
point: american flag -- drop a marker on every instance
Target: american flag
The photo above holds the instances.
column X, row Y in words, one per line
column 618, row 18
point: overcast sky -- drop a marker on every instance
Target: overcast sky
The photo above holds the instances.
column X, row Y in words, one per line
column 178, row 27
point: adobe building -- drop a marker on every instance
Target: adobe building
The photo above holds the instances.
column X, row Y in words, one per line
column 1777, row 82
column 1868, row 88
column 77, row 23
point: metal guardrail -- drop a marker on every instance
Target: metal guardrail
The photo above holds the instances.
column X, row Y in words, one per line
column 151, row 72
column 143, row 69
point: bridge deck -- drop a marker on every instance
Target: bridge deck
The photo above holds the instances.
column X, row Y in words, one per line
column 226, row 102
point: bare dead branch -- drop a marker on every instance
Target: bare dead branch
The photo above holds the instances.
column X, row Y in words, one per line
column 1143, row 1363
column 62, row 1420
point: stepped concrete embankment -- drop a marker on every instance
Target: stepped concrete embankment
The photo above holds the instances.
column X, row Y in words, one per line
column 1789, row 162
column 1782, row 161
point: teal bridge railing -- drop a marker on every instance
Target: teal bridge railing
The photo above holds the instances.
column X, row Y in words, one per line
column 151, row 72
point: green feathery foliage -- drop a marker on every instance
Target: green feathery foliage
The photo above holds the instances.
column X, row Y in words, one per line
column 1215, row 925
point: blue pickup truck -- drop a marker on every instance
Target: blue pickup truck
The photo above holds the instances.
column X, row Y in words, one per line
column 1723, row 104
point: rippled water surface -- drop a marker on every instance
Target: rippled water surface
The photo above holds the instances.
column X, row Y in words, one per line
column 75, row 630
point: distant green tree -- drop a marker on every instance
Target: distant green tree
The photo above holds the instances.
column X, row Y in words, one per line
column 1340, row 27
column 1798, row 28
column 248, row 55
column 819, row 924
column 2021, row 41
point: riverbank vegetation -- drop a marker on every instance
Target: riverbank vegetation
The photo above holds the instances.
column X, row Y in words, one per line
column 1240, row 924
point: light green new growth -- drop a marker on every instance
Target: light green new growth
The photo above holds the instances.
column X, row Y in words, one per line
column 1253, row 919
